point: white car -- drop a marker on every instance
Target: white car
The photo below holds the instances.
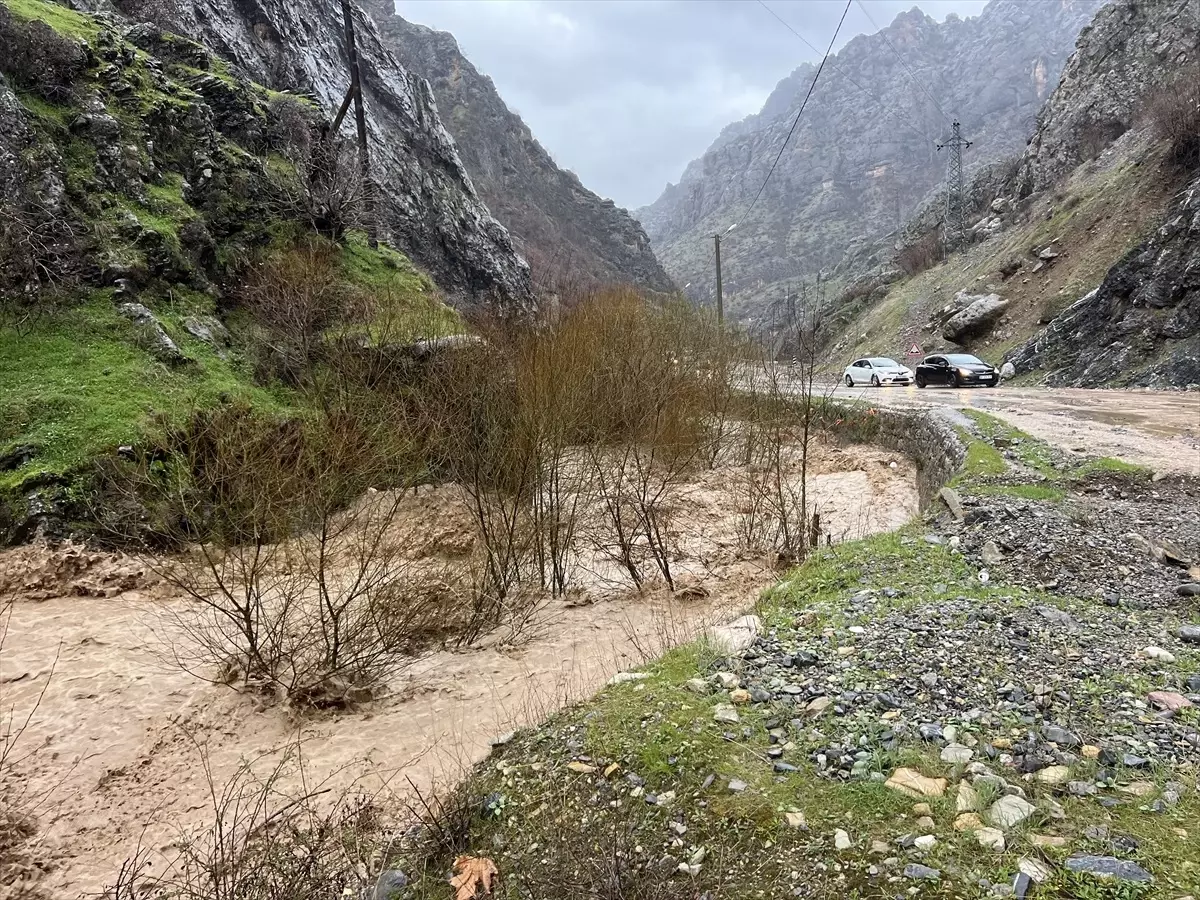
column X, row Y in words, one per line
column 877, row 371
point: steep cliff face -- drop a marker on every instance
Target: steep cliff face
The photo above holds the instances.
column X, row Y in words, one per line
column 864, row 154
column 428, row 205
column 554, row 219
column 1132, row 48
column 1142, row 325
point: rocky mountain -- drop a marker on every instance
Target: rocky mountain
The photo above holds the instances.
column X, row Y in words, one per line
column 864, row 155
column 428, row 206
column 1132, row 48
column 555, row 221
column 1141, row 325
column 1136, row 66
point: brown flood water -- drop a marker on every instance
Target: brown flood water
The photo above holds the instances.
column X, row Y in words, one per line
column 119, row 732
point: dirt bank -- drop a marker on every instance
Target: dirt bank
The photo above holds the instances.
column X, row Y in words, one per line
column 121, row 734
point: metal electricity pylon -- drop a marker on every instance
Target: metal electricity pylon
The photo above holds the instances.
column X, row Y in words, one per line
column 956, row 210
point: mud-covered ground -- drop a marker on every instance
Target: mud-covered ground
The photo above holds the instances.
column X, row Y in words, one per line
column 1157, row 429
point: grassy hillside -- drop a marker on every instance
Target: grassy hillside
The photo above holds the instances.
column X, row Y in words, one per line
column 164, row 180
column 1104, row 209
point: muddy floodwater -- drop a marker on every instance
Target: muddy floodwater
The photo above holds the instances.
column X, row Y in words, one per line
column 123, row 737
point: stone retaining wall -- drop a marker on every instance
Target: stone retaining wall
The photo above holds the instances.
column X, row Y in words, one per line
column 921, row 435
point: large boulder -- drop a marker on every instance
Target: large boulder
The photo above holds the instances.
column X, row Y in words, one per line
column 976, row 319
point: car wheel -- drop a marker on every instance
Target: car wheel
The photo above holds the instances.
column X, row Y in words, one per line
column 954, row 380
column 874, row 381
column 920, row 382
column 849, row 381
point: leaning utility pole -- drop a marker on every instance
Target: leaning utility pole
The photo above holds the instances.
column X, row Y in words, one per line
column 720, row 296
column 956, row 211
column 360, row 119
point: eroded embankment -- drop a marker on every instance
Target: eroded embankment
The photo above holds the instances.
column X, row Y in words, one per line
column 997, row 701
column 128, row 742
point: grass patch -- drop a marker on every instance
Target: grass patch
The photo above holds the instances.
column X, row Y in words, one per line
column 50, row 113
column 76, row 386
column 64, row 21
column 1106, row 465
column 983, row 460
column 916, row 570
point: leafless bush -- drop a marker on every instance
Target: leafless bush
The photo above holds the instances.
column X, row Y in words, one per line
column 267, row 839
column 299, row 584
column 924, row 253
column 325, row 188
column 1174, row 112
column 293, row 295
column 39, row 257
column 781, row 423
column 38, row 58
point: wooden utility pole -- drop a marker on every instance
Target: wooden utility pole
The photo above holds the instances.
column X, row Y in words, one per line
column 360, row 119
column 720, row 296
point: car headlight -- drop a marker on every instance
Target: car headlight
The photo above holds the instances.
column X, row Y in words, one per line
column 965, row 373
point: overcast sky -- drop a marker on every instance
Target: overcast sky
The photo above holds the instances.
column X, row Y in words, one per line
column 626, row 92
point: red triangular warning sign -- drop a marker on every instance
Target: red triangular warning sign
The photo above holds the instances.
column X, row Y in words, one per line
column 914, row 350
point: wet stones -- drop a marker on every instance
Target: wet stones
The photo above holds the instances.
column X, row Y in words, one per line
column 918, row 872
column 1010, row 811
column 1109, row 867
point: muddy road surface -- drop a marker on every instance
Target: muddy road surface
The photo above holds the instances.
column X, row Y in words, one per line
column 1158, row 429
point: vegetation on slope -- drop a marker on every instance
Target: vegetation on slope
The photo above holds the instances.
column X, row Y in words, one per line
column 155, row 187
column 702, row 776
column 1104, row 209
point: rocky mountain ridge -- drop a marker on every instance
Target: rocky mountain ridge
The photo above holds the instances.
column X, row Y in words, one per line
column 858, row 165
column 556, row 222
column 1131, row 48
column 1141, row 325
column 428, row 205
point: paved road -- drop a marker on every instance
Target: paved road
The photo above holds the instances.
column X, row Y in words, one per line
column 1160, row 429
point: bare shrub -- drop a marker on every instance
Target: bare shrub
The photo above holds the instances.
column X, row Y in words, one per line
column 298, row 585
column 923, row 253
column 293, row 295
column 325, row 187
column 267, row 840
column 782, row 420
column 1174, row 113
column 39, row 59
column 39, row 252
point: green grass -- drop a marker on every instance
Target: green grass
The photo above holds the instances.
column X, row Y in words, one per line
column 50, row 113
column 549, row 819
column 76, row 386
column 1108, row 465
column 64, row 21
column 405, row 296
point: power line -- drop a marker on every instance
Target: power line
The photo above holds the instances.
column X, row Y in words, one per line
column 911, row 74
column 792, row 131
column 845, row 74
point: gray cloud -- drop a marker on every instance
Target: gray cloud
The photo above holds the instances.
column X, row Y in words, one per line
column 626, row 92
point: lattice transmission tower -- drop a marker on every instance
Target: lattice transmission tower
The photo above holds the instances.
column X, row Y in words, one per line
column 956, row 210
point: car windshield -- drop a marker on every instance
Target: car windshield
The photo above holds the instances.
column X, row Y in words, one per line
column 964, row 359
column 882, row 362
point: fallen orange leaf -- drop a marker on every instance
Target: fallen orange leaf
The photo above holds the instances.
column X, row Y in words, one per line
column 473, row 873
